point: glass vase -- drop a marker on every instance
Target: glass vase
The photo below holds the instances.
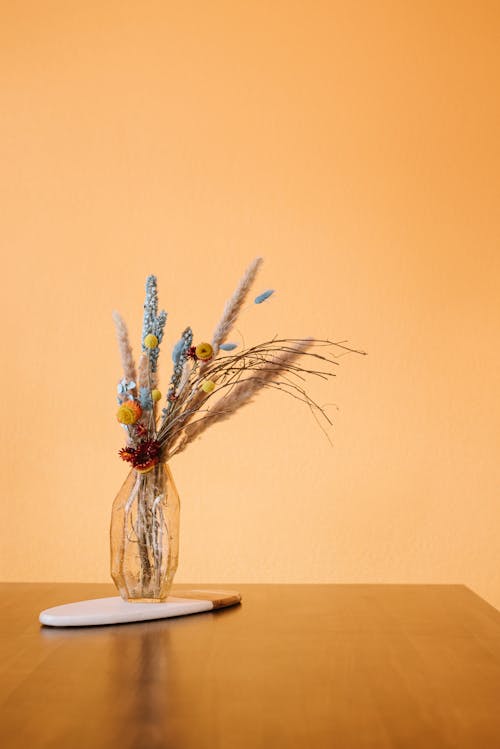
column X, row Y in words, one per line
column 145, row 535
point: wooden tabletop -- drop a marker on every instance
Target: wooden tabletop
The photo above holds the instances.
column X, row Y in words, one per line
column 295, row 666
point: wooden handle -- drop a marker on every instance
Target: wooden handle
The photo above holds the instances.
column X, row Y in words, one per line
column 219, row 598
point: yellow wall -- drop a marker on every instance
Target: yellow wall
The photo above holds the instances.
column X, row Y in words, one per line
column 355, row 145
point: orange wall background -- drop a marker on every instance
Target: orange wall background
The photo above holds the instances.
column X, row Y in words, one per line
column 354, row 145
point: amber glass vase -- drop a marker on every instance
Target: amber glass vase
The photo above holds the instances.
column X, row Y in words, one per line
column 145, row 535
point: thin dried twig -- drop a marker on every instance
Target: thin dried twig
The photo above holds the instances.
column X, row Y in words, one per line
column 242, row 392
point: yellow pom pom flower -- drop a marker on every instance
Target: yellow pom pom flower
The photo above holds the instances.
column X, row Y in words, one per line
column 204, row 351
column 129, row 412
column 151, row 341
column 155, row 395
column 208, row 386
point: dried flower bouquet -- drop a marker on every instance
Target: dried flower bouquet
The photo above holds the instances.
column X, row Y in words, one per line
column 210, row 381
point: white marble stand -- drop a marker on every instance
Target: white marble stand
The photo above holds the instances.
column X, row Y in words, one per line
column 116, row 611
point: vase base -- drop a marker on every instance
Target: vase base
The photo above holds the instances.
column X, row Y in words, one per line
column 146, row 600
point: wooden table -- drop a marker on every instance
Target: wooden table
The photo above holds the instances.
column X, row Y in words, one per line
column 295, row 666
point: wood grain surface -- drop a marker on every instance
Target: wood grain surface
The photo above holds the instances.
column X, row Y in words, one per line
column 296, row 666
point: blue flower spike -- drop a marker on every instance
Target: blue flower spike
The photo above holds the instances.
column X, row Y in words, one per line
column 145, row 399
column 153, row 322
column 177, row 351
column 262, row 297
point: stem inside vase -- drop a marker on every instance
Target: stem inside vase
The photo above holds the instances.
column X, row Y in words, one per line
column 144, row 554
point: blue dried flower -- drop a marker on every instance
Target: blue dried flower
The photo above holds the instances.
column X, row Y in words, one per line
column 177, row 351
column 153, row 323
column 124, row 389
column 145, row 399
column 262, row 297
column 185, row 344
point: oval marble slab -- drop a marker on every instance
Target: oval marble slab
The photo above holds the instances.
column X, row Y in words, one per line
column 115, row 610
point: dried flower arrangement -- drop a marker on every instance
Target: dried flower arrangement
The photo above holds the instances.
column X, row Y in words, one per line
column 210, row 381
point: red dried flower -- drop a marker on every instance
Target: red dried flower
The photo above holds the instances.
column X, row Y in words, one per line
column 140, row 430
column 144, row 456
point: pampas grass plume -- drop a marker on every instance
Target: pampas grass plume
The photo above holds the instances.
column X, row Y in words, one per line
column 234, row 305
column 124, row 347
column 243, row 392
